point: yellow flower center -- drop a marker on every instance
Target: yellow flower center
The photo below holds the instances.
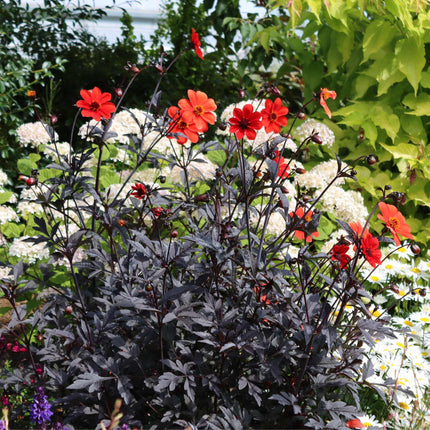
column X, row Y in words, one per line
column 408, row 323
column 394, row 223
column 404, row 406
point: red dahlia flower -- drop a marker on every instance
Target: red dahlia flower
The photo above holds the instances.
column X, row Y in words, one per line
column 370, row 249
column 355, row 424
column 139, row 191
column 196, row 43
column 339, row 254
column 395, row 222
column 283, row 167
column 273, row 116
column 95, row 104
column 179, row 125
column 245, row 122
column 198, row 109
column 300, row 234
column 324, row 95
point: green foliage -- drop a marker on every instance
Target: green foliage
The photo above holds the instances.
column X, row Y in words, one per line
column 375, row 57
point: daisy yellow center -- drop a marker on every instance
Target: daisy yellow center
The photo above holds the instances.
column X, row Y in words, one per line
column 376, row 313
column 375, row 278
column 408, row 323
column 389, row 266
column 94, row 106
column 425, row 319
column 394, row 223
column 404, row 405
column 198, row 110
column 415, row 270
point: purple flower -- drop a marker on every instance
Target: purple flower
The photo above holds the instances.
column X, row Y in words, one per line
column 40, row 410
column 58, row 426
column 2, row 425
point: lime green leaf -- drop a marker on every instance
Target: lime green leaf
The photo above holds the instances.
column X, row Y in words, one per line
column 11, row 229
column 34, row 157
column 420, row 104
column 378, row 35
column 411, row 56
column 25, row 166
column 383, row 117
column 370, row 131
column 402, row 150
column 362, row 84
column 5, row 196
column 425, row 79
column 413, row 126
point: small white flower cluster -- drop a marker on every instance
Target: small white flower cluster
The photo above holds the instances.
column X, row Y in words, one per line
column 321, row 175
column 61, row 148
column 310, row 127
column 7, row 214
column 33, row 134
column 30, row 252
column 4, row 180
column 26, row 204
column 347, row 205
column 196, row 171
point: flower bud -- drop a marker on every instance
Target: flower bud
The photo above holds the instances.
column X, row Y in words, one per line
column 53, row 119
column 242, row 93
column 301, row 115
column 31, row 94
column 274, row 90
column 223, row 126
column 353, row 172
column 316, row 139
column 157, row 211
column 387, row 187
column 148, row 287
column 423, row 292
column 31, row 181
column 118, row 92
column 372, row 159
column 174, row 233
column 162, row 179
column 122, row 222
column 415, row 248
column 300, row 171
column 68, row 310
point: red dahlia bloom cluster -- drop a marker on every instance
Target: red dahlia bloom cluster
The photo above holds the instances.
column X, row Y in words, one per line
column 139, row 191
column 300, row 233
column 191, row 117
column 195, row 40
column 246, row 122
column 339, row 253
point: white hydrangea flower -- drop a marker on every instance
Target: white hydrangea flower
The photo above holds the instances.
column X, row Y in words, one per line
column 6, row 272
column 26, row 204
column 4, row 180
column 348, row 205
column 62, row 148
column 320, row 175
column 7, row 214
column 195, row 170
column 30, row 252
column 310, row 126
column 33, row 134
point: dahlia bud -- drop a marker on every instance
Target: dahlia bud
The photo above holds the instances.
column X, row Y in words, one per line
column 415, row 248
column 31, row 94
column 122, row 222
column 316, row 139
column 353, row 172
column 372, row 159
column 157, row 211
column 174, row 233
column 274, row 90
column 387, row 187
column 54, row 119
column 223, row 126
column 162, row 179
column 149, row 287
column 242, row 93
column 423, row 292
column 118, row 92
column 68, row 310
column 31, row 181
column 394, row 288
column 301, row 115
column 300, row 171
